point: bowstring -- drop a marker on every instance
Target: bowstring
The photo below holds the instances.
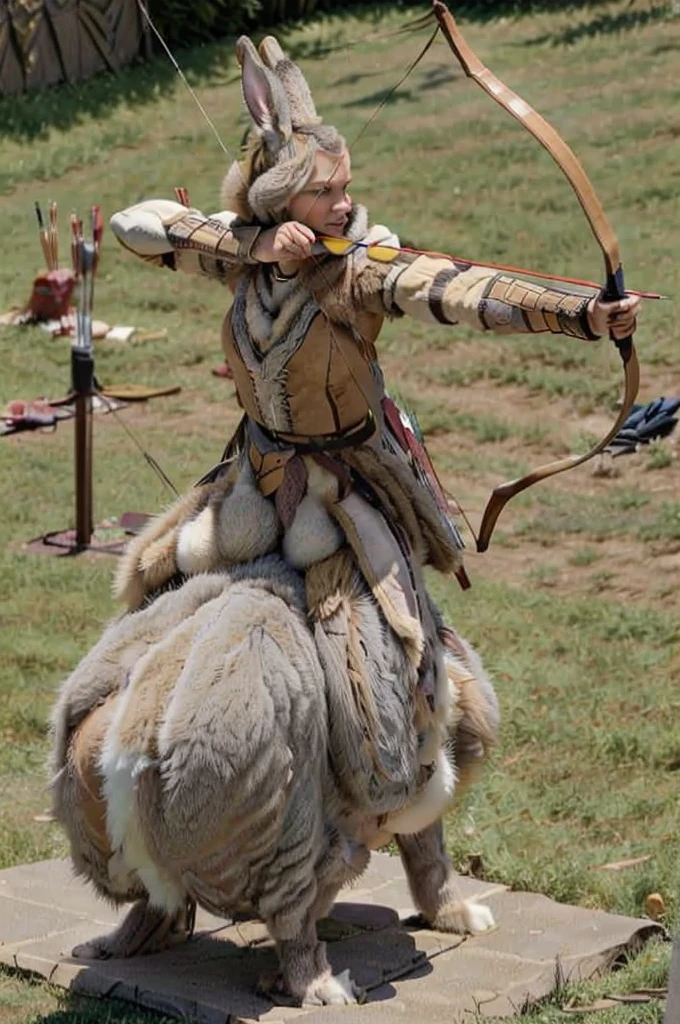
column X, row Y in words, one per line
column 408, row 28
column 386, row 99
column 184, row 78
column 417, row 23
column 155, row 465
column 318, row 260
column 185, row 81
column 150, row 460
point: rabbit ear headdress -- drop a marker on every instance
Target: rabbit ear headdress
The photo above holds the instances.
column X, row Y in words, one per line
column 287, row 134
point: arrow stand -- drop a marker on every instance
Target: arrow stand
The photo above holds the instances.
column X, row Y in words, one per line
column 84, row 537
column 109, row 538
column 82, row 371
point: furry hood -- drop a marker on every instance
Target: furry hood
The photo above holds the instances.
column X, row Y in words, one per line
column 285, row 137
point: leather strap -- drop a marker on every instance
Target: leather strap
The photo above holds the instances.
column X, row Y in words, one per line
column 324, row 442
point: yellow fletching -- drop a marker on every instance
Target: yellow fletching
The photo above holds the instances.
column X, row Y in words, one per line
column 382, row 253
column 336, row 246
column 343, row 246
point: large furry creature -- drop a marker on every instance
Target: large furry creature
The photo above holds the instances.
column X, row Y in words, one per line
column 205, row 752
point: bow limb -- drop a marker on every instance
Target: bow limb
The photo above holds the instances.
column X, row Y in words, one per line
column 614, row 287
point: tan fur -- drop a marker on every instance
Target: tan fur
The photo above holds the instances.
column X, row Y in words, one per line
column 149, row 559
column 144, row 700
column 325, row 603
column 157, row 563
column 386, row 591
column 211, row 760
column 327, row 583
column 408, row 504
column 476, row 728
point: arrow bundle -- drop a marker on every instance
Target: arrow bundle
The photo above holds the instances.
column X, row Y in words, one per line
column 49, row 240
column 85, row 258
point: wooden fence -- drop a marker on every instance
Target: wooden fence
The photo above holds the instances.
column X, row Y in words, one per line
column 43, row 42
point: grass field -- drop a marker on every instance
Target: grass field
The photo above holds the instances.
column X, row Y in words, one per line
column 576, row 606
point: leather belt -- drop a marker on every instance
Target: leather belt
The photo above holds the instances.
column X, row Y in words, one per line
column 323, row 442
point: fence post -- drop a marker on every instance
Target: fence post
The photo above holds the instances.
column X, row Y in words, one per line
column 672, row 1015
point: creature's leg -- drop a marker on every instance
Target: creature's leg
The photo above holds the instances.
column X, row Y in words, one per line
column 81, row 807
column 433, row 884
column 306, row 978
column 78, row 802
column 145, row 929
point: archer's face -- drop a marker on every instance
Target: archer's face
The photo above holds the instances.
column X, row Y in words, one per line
column 324, row 204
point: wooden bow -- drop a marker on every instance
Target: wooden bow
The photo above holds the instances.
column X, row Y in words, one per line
column 614, row 288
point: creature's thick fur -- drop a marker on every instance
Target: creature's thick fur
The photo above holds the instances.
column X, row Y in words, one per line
column 191, row 763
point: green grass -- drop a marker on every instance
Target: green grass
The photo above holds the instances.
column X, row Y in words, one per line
column 586, row 772
column 26, row 1001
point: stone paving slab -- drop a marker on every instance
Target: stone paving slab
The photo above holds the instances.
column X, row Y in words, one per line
column 373, row 931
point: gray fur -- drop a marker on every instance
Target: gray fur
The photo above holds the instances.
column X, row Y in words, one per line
column 391, row 782
column 265, row 98
column 105, row 668
column 234, row 801
column 287, row 129
column 298, row 94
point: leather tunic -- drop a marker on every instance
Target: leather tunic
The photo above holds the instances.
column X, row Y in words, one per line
column 320, row 384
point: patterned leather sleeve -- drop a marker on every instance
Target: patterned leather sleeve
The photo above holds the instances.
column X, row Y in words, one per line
column 210, row 245
column 510, row 305
column 442, row 291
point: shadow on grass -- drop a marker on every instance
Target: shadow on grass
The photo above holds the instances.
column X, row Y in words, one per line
column 430, row 78
column 605, row 24
column 29, row 116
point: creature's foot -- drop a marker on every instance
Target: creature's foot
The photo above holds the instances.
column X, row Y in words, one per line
column 464, row 916
column 145, row 929
column 334, row 990
column 326, row 990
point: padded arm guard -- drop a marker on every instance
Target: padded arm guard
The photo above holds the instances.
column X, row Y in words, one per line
column 440, row 291
column 167, row 234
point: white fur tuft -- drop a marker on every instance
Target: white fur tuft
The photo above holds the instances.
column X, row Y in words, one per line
column 196, row 544
column 120, row 769
column 430, row 804
column 478, row 917
column 465, row 917
column 333, row 990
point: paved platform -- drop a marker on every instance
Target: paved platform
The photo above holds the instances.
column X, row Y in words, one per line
column 409, row 971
